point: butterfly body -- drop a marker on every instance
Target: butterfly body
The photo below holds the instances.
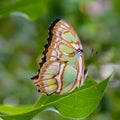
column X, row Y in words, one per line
column 62, row 67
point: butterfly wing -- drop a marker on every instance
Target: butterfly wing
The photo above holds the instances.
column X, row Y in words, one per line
column 62, row 67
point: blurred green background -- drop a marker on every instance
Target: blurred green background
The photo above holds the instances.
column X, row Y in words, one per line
column 23, row 34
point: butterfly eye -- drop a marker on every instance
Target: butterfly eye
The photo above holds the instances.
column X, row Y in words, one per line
column 81, row 50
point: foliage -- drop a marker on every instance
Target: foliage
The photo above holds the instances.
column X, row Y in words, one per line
column 78, row 104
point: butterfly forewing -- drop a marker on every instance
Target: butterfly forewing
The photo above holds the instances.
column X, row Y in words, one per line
column 62, row 67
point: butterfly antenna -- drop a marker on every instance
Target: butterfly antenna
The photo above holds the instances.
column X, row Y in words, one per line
column 92, row 57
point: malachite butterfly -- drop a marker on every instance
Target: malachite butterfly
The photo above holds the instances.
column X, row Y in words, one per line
column 62, row 67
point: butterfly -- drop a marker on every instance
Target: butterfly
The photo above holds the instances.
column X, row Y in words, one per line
column 62, row 66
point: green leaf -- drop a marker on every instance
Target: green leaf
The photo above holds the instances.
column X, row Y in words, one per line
column 77, row 104
column 81, row 103
column 7, row 109
column 33, row 8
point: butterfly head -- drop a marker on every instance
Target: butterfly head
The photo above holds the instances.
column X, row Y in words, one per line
column 79, row 51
